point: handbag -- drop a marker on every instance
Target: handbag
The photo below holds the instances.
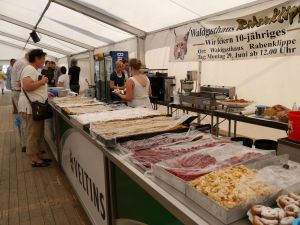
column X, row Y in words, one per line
column 40, row 111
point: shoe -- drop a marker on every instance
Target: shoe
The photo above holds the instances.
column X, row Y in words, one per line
column 23, row 149
column 42, row 164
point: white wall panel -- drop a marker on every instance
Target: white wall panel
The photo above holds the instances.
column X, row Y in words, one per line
column 84, row 64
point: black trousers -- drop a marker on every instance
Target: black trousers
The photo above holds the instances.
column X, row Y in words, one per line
column 75, row 88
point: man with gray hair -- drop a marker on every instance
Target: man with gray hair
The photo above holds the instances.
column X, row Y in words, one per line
column 8, row 75
column 16, row 90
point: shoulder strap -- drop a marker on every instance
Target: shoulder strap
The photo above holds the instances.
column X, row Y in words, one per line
column 26, row 96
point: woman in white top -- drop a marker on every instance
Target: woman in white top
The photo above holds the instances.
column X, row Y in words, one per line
column 138, row 87
column 37, row 91
column 63, row 79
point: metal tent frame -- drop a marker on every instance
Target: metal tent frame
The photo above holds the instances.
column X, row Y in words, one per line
column 91, row 13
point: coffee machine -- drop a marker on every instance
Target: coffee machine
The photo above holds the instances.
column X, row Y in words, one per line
column 162, row 85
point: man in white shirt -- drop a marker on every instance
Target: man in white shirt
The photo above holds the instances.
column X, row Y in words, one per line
column 15, row 79
column 64, row 79
column 16, row 90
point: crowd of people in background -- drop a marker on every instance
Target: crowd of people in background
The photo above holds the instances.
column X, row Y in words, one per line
column 57, row 76
column 29, row 78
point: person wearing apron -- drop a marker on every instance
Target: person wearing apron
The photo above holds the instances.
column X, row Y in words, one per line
column 117, row 81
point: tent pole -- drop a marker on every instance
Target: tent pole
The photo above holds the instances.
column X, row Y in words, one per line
column 104, row 18
column 92, row 67
column 141, row 49
column 199, row 75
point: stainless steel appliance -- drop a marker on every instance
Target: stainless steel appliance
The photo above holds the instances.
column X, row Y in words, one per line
column 162, row 85
column 208, row 96
column 228, row 91
column 187, row 86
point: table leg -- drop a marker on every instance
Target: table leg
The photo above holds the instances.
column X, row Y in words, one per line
column 212, row 123
column 58, row 134
column 229, row 128
column 217, row 127
column 235, row 128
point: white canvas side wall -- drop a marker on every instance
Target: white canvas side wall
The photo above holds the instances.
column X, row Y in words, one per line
column 266, row 81
column 63, row 62
column 85, row 74
column 8, row 52
column 4, row 62
column 157, row 56
column 84, row 64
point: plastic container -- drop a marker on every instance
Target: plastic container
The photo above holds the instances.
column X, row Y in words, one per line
column 265, row 144
column 297, row 220
column 248, row 142
column 63, row 93
column 294, row 126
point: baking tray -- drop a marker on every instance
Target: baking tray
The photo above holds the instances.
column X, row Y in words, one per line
column 236, row 104
column 65, row 113
column 111, row 143
column 228, row 216
column 181, row 185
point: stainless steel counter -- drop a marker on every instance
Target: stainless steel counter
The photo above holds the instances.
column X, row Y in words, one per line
column 235, row 117
column 175, row 202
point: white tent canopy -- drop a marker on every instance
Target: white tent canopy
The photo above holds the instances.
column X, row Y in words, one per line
column 68, row 27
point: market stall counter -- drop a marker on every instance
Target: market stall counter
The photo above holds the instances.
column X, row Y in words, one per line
column 116, row 186
column 216, row 114
column 250, row 119
column 101, row 178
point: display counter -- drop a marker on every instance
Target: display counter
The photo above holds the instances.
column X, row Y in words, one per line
column 113, row 190
column 231, row 117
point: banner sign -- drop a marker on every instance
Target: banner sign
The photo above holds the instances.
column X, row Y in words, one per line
column 270, row 32
column 83, row 164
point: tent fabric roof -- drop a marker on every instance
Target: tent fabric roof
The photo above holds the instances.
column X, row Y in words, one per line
column 142, row 15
